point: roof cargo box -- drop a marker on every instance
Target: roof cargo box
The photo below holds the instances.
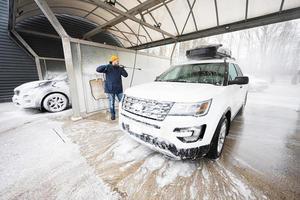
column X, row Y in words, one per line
column 208, row 52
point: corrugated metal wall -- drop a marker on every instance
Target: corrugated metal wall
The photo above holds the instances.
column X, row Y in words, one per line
column 16, row 66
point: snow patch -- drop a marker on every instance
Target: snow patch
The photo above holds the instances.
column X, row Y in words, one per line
column 193, row 190
column 205, row 173
column 126, row 149
column 153, row 163
column 174, row 169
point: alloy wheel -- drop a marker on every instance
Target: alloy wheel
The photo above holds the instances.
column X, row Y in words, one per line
column 222, row 136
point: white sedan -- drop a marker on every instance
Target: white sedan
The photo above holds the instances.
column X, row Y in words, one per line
column 52, row 95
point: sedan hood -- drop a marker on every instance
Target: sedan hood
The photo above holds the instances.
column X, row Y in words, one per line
column 32, row 84
column 175, row 92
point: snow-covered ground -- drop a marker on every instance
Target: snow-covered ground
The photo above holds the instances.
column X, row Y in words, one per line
column 39, row 162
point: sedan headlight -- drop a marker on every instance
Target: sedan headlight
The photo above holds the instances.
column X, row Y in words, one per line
column 190, row 109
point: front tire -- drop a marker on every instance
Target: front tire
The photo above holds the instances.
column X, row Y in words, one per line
column 55, row 102
column 218, row 140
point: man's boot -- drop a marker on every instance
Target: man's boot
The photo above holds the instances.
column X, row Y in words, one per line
column 113, row 117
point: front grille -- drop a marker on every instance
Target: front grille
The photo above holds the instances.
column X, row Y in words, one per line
column 147, row 108
column 148, row 124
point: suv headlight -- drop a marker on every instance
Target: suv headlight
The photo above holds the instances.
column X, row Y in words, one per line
column 190, row 109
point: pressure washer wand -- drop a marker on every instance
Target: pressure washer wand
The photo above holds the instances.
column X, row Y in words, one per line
column 131, row 67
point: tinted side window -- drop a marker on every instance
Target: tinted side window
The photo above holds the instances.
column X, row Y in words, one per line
column 238, row 69
column 231, row 72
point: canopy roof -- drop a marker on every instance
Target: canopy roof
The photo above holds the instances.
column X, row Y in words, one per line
column 147, row 23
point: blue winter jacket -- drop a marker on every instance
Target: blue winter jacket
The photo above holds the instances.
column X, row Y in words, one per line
column 113, row 82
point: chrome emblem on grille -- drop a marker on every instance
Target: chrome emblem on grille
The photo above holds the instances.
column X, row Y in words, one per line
column 138, row 106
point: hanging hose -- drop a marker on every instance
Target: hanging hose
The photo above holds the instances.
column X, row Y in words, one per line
column 134, row 64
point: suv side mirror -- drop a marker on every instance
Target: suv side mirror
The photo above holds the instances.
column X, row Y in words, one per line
column 241, row 80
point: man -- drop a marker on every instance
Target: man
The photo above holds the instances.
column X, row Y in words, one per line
column 113, row 82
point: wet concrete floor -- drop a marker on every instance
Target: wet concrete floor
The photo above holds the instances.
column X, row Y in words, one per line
column 258, row 162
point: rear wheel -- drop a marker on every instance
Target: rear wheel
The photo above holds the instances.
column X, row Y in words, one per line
column 217, row 144
column 55, row 102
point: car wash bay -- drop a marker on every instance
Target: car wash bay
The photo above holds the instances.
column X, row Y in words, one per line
column 80, row 154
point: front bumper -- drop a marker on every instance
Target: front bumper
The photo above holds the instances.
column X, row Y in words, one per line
column 160, row 135
column 169, row 149
column 21, row 102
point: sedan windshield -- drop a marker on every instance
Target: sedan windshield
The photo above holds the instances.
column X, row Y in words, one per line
column 61, row 77
column 209, row 73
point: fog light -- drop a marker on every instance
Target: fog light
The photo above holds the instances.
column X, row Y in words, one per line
column 191, row 134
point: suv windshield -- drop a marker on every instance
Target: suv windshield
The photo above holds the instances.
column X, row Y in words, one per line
column 209, row 73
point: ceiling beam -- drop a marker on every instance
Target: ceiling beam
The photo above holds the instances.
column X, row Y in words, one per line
column 126, row 15
column 37, row 33
column 66, row 43
column 173, row 20
column 127, row 27
column 217, row 12
column 188, row 17
column 142, row 17
column 192, row 12
column 112, row 29
column 281, row 5
column 246, row 10
column 149, row 11
column 282, row 16
column 46, row 10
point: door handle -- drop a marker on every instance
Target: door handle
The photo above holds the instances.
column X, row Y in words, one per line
column 241, row 86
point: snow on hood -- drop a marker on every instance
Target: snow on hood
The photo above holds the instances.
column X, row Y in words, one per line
column 175, row 91
column 31, row 84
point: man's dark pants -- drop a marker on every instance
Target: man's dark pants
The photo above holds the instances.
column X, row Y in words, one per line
column 112, row 98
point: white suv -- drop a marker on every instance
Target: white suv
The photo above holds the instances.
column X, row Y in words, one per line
column 186, row 112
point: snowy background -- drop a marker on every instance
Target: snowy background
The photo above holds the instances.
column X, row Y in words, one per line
column 270, row 52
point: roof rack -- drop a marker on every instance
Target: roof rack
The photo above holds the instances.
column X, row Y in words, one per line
column 211, row 51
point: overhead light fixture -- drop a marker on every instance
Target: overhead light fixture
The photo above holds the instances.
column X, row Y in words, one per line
column 111, row 2
column 158, row 25
column 19, row 12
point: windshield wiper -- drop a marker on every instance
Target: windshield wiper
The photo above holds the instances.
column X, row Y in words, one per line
column 172, row 80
